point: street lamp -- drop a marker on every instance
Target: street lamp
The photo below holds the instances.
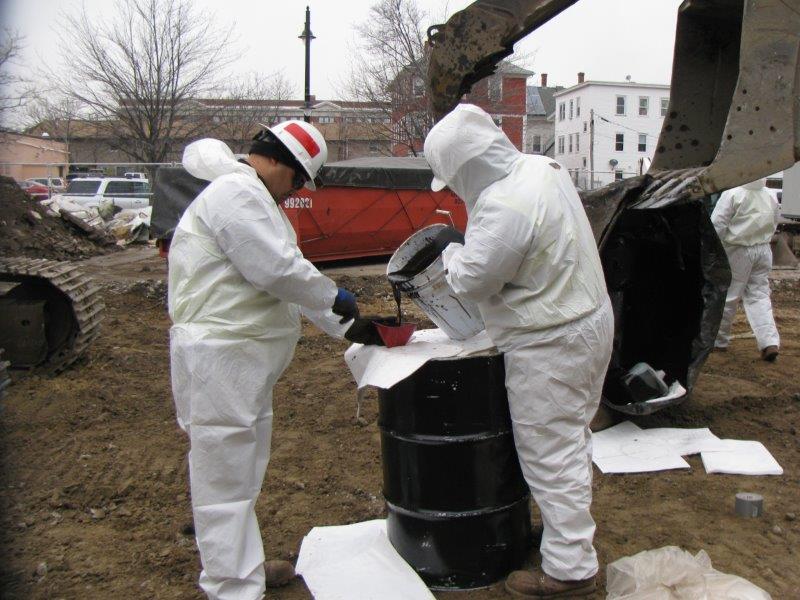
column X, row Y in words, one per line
column 307, row 36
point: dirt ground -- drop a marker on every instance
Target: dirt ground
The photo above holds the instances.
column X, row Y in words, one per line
column 93, row 481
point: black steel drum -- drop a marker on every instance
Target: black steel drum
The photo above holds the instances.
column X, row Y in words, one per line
column 458, row 506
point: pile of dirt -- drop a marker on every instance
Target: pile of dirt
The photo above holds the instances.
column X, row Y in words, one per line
column 26, row 230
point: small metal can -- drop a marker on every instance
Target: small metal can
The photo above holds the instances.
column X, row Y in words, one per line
column 749, row 505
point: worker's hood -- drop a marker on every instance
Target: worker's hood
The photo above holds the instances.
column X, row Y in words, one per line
column 208, row 159
column 756, row 185
column 468, row 152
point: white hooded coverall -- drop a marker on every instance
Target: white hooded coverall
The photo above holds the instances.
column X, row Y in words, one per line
column 237, row 281
column 531, row 264
column 745, row 219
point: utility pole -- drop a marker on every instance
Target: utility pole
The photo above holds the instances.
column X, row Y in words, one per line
column 307, row 36
column 591, row 149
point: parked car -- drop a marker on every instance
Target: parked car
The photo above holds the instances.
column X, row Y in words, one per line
column 37, row 191
column 124, row 193
column 56, row 184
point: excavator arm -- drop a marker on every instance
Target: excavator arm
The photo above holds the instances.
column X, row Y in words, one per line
column 473, row 41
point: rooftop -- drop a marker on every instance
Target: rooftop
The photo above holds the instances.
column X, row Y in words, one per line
column 540, row 101
column 632, row 84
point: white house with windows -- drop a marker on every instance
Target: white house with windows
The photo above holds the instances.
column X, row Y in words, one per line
column 606, row 131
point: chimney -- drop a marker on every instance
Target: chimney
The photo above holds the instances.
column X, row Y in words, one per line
column 581, row 77
column 544, row 79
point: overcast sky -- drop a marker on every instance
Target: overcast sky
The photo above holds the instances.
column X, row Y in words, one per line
column 607, row 39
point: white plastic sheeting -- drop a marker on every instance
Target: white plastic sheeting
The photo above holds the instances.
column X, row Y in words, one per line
column 357, row 562
column 625, row 448
column 383, row 367
column 671, row 573
column 740, row 457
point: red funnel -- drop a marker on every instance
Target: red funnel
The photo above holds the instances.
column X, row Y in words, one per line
column 395, row 335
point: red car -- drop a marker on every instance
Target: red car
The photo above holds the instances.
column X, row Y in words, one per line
column 36, row 191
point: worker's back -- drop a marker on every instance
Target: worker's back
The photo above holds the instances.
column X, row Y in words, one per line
column 560, row 277
column 745, row 216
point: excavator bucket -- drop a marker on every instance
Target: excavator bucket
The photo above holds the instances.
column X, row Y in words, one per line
column 734, row 113
column 734, row 116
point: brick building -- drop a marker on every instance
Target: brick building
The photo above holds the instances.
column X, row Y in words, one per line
column 503, row 95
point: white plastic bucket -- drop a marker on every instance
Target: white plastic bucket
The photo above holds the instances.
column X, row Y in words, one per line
column 459, row 319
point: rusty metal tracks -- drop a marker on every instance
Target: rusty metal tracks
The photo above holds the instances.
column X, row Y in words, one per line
column 76, row 306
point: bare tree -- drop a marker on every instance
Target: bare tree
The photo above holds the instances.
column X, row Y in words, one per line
column 389, row 69
column 14, row 88
column 141, row 75
column 53, row 114
column 252, row 100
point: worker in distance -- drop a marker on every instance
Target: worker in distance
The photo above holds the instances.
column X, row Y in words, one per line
column 745, row 219
column 237, row 286
column 530, row 262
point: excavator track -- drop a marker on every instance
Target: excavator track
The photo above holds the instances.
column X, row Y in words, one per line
column 72, row 309
column 5, row 380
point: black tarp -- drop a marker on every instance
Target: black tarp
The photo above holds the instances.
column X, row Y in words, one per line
column 174, row 188
column 387, row 172
column 667, row 276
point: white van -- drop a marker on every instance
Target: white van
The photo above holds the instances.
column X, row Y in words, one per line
column 124, row 193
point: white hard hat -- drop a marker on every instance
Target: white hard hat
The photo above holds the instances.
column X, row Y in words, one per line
column 306, row 144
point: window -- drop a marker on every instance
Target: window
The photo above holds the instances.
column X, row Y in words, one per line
column 584, row 162
column 79, row 187
column 495, row 88
column 562, row 111
column 418, row 87
column 620, row 105
column 561, row 144
column 619, row 142
column 498, row 121
column 325, row 120
column 571, row 109
column 644, row 105
column 618, row 175
column 570, row 143
column 141, row 187
column 664, row 106
column 577, row 107
column 584, row 126
column 536, row 144
column 130, row 187
column 118, row 188
column 642, row 142
column 577, row 142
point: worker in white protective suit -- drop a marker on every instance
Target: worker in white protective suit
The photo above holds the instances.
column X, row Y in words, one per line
column 745, row 219
column 531, row 264
column 237, row 286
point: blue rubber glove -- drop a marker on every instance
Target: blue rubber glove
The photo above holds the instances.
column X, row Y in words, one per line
column 345, row 305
